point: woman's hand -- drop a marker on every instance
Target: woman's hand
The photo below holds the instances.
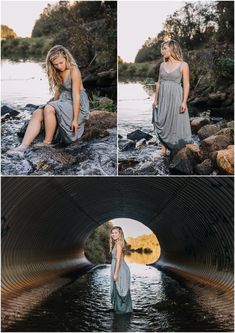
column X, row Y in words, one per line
column 183, row 107
column 115, row 277
column 74, row 126
column 154, row 104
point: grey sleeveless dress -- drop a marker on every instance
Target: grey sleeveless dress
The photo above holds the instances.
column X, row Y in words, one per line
column 64, row 113
column 120, row 290
column 171, row 126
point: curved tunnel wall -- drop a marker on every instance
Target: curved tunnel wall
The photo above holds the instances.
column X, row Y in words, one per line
column 46, row 221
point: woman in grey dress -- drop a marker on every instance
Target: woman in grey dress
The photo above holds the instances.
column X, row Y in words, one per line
column 65, row 114
column 120, row 273
column 171, row 119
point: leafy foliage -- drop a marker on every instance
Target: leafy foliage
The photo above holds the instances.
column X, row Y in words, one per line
column 195, row 25
column 97, row 245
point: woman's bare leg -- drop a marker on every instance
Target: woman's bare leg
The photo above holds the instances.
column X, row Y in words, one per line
column 50, row 123
column 33, row 128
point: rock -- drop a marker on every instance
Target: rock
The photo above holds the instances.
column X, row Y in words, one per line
column 124, row 164
column 207, row 131
column 98, row 123
column 7, row 110
column 183, row 162
column 125, row 145
column 31, row 106
column 199, row 102
column 141, row 143
column 225, row 160
column 22, row 130
column 204, row 168
column 147, row 168
column 214, row 143
column 229, row 132
column 120, row 136
column 196, row 152
column 230, row 124
column 138, row 135
column 198, row 122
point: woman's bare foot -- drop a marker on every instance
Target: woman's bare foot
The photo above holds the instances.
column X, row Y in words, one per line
column 163, row 151
column 43, row 144
column 18, row 151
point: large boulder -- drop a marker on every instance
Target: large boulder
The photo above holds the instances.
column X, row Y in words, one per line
column 214, row 143
column 225, row 160
column 7, row 112
column 204, row 168
column 198, row 122
column 229, row 132
column 183, row 162
column 207, row 131
column 138, row 135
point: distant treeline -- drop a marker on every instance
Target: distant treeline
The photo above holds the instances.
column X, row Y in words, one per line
column 195, row 25
column 86, row 28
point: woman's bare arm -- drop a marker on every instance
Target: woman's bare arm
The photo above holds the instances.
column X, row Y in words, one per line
column 186, row 86
column 155, row 99
column 118, row 261
column 76, row 86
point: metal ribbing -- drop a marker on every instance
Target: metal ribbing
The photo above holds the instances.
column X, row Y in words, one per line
column 47, row 220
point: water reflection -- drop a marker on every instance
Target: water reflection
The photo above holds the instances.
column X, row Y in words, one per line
column 160, row 304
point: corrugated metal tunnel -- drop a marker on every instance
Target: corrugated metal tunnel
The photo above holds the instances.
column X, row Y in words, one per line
column 45, row 222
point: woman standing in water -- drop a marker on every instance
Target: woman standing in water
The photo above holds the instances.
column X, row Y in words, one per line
column 120, row 273
column 172, row 119
column 69, row 108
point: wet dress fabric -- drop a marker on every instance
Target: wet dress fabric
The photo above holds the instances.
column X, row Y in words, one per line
column 64, row 113
column 120, row 290
column 171, row 126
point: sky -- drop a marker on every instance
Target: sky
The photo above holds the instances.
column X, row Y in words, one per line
column 131, row 228
column 21, row 15
column 138, row 20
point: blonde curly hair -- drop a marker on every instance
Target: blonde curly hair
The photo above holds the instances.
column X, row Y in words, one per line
column 175, row 48
column 121, row 240
column 54, row 78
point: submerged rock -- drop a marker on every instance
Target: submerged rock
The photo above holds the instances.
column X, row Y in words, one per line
column 125, row 145
column 183, row 162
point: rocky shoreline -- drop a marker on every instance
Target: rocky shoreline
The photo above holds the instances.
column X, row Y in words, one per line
column 93, row 154
column 212, row 154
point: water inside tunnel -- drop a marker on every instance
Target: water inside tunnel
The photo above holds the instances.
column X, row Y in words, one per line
column 49, row 285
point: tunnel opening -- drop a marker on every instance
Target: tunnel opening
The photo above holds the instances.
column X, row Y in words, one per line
column 46, row 222
column 142, row 244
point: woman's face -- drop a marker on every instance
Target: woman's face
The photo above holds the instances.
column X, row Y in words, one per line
column 166, row 51
column 59, row 63
column 115, row 234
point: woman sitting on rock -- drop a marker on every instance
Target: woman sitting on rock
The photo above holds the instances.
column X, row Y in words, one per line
column 171, row 120
column 65, row 114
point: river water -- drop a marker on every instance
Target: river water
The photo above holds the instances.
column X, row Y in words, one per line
column 160, row 304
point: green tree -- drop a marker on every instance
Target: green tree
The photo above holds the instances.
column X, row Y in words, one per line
column 97, row 245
